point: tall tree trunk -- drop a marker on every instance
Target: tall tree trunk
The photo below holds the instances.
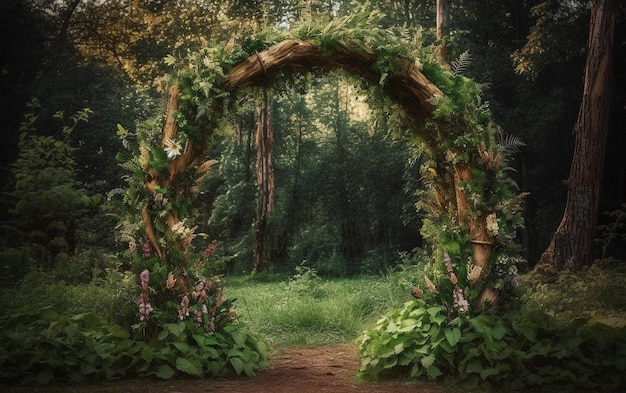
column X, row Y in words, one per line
column 572, row 244
column 265, row 179
column 442, row 31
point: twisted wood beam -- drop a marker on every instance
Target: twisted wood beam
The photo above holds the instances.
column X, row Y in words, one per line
column 410, row 88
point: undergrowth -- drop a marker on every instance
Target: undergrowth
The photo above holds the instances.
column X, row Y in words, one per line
column 305, row 310
column 568, row 332
column 596, row 292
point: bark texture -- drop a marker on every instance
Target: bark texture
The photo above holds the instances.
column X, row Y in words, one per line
column 572, row 244
column 412, row 90
column 442, row 30
column 265, row 180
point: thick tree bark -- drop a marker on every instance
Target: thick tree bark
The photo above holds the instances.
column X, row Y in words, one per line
column 572, row 244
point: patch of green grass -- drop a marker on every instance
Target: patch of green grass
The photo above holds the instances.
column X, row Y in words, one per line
column 596, row 292
column 334, row 311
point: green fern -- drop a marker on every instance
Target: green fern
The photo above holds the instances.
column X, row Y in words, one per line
column 459, row 65
column 511, row 143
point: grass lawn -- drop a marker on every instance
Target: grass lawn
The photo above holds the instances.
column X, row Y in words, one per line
column 313, row 311
column 308, row 310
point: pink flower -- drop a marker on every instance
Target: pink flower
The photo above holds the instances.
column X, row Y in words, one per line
column 210, row 250
column 184, row 308
column 147, row 250
column 448, row 262
column 144, row 307
column 145, row 278
column 459, row 300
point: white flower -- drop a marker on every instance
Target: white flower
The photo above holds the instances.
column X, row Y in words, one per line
column 172, row 148
column 492, row 224
column 459, row 299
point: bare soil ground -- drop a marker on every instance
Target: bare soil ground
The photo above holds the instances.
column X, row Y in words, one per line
column 293, row 370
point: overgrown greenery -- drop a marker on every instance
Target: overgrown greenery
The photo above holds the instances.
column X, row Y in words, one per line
column 305, row 309
column 43, row 345
column 524, row 349
column 55, row 332
column 564, row 333
column 459, row 135
column 87, row 304
column 48, row 197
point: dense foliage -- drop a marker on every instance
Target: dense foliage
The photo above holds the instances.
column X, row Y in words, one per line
column 525, row 349
column 345, row 188
column 43, row 345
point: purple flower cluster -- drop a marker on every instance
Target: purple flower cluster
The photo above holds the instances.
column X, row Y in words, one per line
column 144, row 304
column 210, row 250
column 184, row 308
column 204, row 294
column 459, row 299
column 147, row 250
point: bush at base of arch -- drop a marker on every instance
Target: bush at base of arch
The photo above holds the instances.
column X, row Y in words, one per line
column 520, row 350
column 44, row 346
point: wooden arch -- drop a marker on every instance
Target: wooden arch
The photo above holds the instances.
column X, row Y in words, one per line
column 407, row 86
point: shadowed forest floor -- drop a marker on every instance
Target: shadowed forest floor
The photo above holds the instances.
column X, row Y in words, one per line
column 319, row 369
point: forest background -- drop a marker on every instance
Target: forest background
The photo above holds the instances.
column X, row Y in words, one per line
column 345, row 190
column 79, row 77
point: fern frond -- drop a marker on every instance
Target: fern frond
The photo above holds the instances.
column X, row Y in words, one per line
column 459, row 65
column 511, row 143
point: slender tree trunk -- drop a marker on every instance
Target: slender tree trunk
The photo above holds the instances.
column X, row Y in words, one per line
column 572, row 244
column 443, row 30
column 66, row 19
column 265, row 179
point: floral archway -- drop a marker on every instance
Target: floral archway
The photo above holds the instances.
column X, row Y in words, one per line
column 471, row 207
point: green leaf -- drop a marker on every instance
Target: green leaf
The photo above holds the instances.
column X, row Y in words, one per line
column 188, row 366
column 182, row 346
column 433, row 372
column 382, row 79
column 473, row 366
column 239, row 338
column 237, row 364
column 487, row 372
column 175, row 329
column 427, row 361
column 147, row 354
column 121, row 132
column 164, row 372
column 169, row 60
column 453, row 335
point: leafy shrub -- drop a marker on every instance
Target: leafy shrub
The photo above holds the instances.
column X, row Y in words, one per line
column 306, row 281
column 595, row 292
column 520, row 350
column 110, row 296
column 43, row 345
column 15, row 264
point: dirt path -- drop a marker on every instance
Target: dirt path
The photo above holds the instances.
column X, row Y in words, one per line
column 293, row 370
column 314, row 370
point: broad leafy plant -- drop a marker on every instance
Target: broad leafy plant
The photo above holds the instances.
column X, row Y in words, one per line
column 42, row 345
column 520, row 351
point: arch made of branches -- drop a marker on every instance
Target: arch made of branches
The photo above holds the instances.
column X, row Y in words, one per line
column 471, row 207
